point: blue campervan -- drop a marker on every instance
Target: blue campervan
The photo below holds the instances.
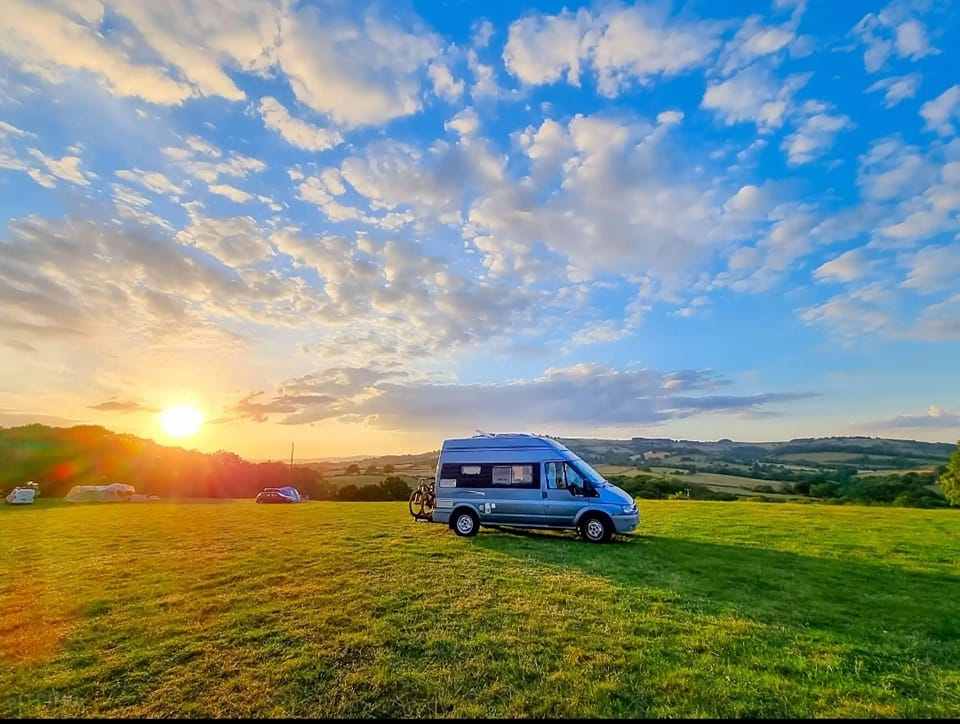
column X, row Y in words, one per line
column 526, row 481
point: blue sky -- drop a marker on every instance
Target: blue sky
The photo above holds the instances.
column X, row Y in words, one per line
column 365, row 227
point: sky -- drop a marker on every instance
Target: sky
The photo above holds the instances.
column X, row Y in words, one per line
column 363, row 228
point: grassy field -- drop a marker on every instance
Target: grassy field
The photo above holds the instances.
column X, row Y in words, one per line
column 351, row 609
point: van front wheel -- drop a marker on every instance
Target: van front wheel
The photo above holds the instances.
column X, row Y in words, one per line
column 465, row 523
column 595, row 529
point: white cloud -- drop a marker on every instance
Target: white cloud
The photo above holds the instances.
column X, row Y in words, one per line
column 466, row 122
column 755, row 40
column 480, row 33
column 892, row 30
column 444, row 84
column 208, row 163
column 295, row 131
column 896, row 88
column 434, row 184
column 66, row 168
column 849, row 316
column 932, row 269
column 237, row 240
column 358, row 71
column 231, row 192
column 623, row 45
column 912, row 41
column 935, row 417
column 546, row 48
column 754, row 95
column 848, row 267
column 50, row 44
column 814, row 137
column 940, row 113
column 922, row 184
column 622, row 200
column 152, row 180
column 939, row 322
column 358, row 66
column 892, row 169
column 7, row 129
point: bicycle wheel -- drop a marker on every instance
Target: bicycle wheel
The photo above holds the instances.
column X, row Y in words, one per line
column 416, row 503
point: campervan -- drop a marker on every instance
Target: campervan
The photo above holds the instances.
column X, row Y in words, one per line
column 526, row 481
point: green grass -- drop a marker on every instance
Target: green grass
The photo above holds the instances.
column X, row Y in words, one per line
column 351, row 609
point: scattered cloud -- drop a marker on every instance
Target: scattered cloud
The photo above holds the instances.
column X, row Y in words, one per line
column 847, row 267
column 815, row 135
column 896, row 88
column 583, row 394
column 942, row 112
column 753, row 95
column 892, row 31
column 121, row 406
column 934, row 417
column 296, row 132
column 231, row 192
column 622, row 45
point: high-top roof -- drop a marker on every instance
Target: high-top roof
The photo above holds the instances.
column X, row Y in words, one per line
column 510, row 440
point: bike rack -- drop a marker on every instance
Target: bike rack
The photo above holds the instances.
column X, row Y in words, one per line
column 423, row 501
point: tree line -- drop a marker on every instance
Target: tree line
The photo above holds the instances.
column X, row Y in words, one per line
column 59, row 458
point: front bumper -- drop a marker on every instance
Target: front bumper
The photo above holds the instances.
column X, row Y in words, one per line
column 626, row 523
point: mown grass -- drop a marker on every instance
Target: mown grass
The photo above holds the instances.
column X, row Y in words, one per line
column 351, row 609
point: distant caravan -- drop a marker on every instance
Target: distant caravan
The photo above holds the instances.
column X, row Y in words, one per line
column 526, row 481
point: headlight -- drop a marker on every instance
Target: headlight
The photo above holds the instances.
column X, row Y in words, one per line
column 627, row 509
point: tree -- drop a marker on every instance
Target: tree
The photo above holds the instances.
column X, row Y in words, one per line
column 371, row 470
column 950, row 478
column 395, row 488
column 353, row 469
column 388, row 469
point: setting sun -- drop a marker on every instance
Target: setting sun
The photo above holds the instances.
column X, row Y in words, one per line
column 181, row 421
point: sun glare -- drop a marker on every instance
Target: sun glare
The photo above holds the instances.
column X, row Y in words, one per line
column 181, row 421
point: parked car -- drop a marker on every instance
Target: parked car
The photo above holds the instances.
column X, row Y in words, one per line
column 526, row 481
column 287, row 494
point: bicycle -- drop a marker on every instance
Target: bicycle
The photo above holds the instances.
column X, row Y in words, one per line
column 423, row 500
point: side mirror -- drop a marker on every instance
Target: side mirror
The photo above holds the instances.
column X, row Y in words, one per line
column 575, row 489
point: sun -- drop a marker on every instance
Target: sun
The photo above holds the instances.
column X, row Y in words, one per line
column 181, row 421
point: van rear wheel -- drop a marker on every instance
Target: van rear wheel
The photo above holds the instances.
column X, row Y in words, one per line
column 465, row 523
column 596, row 529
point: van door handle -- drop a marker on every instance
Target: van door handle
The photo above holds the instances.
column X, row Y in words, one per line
column 543, row 493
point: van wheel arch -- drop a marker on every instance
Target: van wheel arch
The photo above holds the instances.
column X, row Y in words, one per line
column 605, row 520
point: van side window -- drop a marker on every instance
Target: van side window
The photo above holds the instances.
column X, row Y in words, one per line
column 521, row 475
column 574, row 478
column 555, row 479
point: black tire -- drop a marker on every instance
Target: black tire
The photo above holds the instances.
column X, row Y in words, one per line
column 416, row 503
column 596, row 529
column 458, row 522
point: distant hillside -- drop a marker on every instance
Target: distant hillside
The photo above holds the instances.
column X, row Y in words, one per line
column 871, row 452
column 883, row 451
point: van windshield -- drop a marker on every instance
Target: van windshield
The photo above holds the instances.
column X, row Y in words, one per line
column 589, row 473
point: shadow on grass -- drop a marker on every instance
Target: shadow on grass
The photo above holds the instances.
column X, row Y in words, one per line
column 768, row 586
